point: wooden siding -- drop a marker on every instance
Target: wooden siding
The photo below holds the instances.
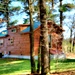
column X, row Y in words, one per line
column 19, row 44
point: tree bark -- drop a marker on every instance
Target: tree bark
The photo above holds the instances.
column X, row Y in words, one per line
column 70, row 40
column 61, row 19
column 7, row 12
column 61, row 14
column 32, row 54
column 44, row 40
column 73, row 42
column 52, row 4
column 39, row 58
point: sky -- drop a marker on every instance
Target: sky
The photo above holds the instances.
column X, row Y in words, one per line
column 21, row 16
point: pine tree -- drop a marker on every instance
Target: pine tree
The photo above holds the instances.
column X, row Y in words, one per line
column 44, row 39
column 32, row 54
column 7, row 11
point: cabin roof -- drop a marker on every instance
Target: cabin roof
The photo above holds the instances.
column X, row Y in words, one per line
column 38, row 23
column 19, row 25
column 4, row 33
column 35, row 25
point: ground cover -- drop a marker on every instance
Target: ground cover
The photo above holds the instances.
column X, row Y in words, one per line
column 22, row 67
column 14, row 66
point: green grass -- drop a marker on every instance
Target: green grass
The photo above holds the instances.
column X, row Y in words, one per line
column 14, row 67
column 17, row 67
column 62, row 65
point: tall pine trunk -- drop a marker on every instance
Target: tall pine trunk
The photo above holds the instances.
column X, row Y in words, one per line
column 52, row 4
column 74, row 42
column 61, row 14
column 44, row 39
column 39, row 58
column 70, row 40
column 7, row 16
column 61, row 19
column 39, row 49
column 32, row 60
column 7, row 12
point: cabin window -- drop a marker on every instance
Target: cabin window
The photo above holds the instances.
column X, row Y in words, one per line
column 13, row 30
column 1, row 42
column 10, row 41
column 4, row 32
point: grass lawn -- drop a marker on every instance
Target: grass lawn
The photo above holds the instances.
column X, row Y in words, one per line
column 17, row 67
column 62, row 65
column 14, row 66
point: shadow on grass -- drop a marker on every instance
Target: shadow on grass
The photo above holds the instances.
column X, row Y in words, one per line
column 67, row 60
column 62, row 65
column 9, row 66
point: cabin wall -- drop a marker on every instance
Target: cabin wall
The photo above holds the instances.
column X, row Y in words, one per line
column 56, row 44
column 36, row 40
column 15, row 43
column 19, row 44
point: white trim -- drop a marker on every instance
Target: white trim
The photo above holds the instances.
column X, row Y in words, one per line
column 56, row 56
column 18, row 56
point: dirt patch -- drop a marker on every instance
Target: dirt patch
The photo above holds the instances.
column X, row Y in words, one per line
column 64, row 73
column 72, row 72
column 70, row 55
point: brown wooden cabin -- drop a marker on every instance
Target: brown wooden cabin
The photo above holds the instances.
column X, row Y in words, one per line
column 15, row 40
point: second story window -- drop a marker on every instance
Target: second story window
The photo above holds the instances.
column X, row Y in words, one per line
column 11, row 41
column 13, row 30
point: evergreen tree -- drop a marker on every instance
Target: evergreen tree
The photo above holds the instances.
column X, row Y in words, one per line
column 32, row 54
column 44, row 39
column 7, row 11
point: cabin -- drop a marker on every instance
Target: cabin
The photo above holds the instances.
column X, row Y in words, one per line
column 16, row 41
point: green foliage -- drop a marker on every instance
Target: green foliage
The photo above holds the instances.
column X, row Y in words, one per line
column 13, row 9
column 25, row 21
column 52, row 16
column 13, row 23
column 63, row 9
column 7, row 10
column 69, row 5
column 36, row 8
column 66, row 7
column 48, row 0
column 47, row 9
